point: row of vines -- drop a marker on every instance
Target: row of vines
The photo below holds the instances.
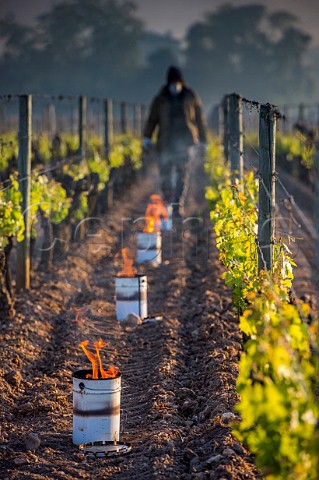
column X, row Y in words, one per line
column 294, row 152
column 277, row 378
column 64, row 191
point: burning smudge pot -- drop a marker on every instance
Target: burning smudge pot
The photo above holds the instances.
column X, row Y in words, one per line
column 167, row 222
column 149, row 242
column 96, row 408
column 149, row 247
column 130, row 289
column 131, row 296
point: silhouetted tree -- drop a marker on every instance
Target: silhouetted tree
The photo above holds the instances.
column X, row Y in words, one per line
column 93, row 47
column 79, row 46
column 246, row 50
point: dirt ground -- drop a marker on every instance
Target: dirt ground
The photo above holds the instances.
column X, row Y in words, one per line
column 178, row 375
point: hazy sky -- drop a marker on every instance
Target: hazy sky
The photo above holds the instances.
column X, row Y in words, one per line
column 176, row 15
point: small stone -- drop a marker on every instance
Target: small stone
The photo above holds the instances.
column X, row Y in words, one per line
column 200, row 476
column 24, row 408
column 188, row 455
column 187, row 408
column 238, row 449
column 168, row 416
column 32, row 442
column 186, row 393
column 13, row 377
column 214, row 459
column 228, row 452
column 20, row 461
column 205, row 414
column 131, row 320
column 227, row 417
column 193, row 464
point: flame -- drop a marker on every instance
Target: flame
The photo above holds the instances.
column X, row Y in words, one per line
column 128, row 270
column 111, row 372
column 93, row 359
column 155, row 211
column 96, row 361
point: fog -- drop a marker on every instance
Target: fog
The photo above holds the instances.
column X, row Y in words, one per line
column 106, row 48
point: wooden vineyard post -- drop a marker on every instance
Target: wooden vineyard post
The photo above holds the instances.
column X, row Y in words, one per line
column 266, row 201
column 285, row 121
column 124, row 117
column 24, row 167
column 220, row 121
column 236, row 144
column 74, row 122
column 79, row 231
column 107, row 196
column 316, row 219
column 215, row 119
column 108, row 125
column 226, row 127
column 51, row 120
column 301, row 113
column 137, row 120
column 143, row 116
column 82, row 127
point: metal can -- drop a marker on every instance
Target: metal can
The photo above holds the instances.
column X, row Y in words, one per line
column 149, row 247
column 131, row 296
column 96, row 408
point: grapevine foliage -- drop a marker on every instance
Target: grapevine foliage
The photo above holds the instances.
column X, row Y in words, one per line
column 47, row 195
column 289, row 147
column 11, row 217
column 277, row 377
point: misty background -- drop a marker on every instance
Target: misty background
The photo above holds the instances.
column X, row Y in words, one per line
column 121, row 50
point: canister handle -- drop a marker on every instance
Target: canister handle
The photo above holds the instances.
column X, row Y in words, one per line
column 98, row 392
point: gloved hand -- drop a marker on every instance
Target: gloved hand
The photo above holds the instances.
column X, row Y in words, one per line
column 146, row 143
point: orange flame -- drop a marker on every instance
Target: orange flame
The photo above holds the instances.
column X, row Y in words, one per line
column 96, row 361
column 155, row 210
column 128, row 270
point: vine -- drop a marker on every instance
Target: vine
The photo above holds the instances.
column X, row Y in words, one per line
column 277, row 378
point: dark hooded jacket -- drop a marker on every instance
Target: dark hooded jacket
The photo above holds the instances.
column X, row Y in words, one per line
column 179, row 119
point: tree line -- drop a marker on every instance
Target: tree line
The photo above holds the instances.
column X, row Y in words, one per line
column 92, row 47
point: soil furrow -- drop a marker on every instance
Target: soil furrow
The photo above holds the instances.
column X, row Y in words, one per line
column 178, row 374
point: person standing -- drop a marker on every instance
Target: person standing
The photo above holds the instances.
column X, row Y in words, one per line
column 177, row 117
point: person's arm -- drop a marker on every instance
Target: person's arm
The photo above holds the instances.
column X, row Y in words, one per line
column 200, row 120
column 152, row 120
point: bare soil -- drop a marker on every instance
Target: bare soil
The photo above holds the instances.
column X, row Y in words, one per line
column 178, row 374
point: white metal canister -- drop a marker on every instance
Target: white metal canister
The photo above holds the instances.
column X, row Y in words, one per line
column 131, row 296
column 149, row 247
column 96, row 408
column 167, row 225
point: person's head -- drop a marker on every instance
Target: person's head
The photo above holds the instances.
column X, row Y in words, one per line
column 175, row 80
